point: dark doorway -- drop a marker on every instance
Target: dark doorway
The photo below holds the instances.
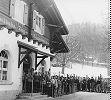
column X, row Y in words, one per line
column 26, row 67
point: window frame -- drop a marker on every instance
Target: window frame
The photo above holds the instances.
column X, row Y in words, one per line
column 23, row 14
column 39, row 21
column 2, row 59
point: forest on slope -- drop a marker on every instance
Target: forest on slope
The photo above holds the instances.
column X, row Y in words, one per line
column 93, row 40
column 86, row 42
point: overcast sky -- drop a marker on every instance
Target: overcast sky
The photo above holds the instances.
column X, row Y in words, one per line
column 78, row 11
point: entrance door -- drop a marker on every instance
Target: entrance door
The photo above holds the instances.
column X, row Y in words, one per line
column 26, row 67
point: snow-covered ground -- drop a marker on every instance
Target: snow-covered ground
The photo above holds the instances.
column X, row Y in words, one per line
column 83, row 96
column 82, row 70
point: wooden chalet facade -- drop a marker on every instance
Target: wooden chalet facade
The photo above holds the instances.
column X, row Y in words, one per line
column 30, row 34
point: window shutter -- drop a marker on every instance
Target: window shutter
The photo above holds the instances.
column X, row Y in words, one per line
column 12, row 8
column 37, row 20
column 25, row 15
column 40, row 21
column 43, row 26
column 34, row 20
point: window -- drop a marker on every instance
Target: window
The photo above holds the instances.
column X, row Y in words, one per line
column 19, row 11
column 38, row 22
column 3, row 65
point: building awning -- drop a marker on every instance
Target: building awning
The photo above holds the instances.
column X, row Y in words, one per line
column 29, row 49
column 34, row 49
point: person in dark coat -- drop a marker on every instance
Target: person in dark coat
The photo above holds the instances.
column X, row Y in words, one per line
column 78, row 84
column 84, row 84
column 36, row 82
column 92, row 84
column 68, row 84
column 65, row 85
column 88, row 84
column 29, row 80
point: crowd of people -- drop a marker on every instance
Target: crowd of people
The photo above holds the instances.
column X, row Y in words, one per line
column 57, row 85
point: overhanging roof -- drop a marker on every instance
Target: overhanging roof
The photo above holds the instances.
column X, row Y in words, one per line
column 58, row 45
column 54, row 21
column 34, row 49
column 52, row 15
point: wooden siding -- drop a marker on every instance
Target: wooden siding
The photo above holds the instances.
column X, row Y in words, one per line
column 28, row 2
column 47, row 32
column 4, row 6
column 5, row 9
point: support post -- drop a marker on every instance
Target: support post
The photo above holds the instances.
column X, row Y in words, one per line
column 35, row 59
column 40, row 62
column 19, row 56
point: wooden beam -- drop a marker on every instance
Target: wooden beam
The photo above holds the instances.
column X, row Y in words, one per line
column 39, row 43
column 52, row 25
column 17, row 34
column 19, row 57
column 56, row 42
column 41, row 56
column 23, row 52
column 10, row 31
column 47, row 47
column 29, row 39
column 24, row 36
column 2, row 27
column 43, row 45
column 28, row 52
column 40, row 62
column 34, row 41
column 35, row 59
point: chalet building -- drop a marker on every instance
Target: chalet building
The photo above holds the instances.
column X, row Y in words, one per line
column 30, row 35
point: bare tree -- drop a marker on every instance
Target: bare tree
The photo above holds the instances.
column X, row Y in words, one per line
column 85, row 40
column 74, row 46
